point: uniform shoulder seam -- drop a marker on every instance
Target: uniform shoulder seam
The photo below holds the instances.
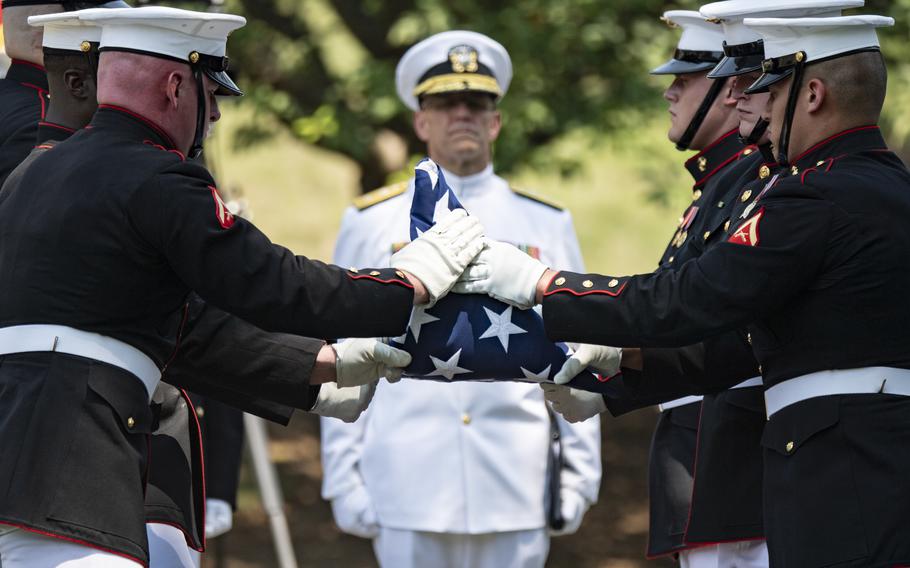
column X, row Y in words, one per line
column 522, row 192
column 377, row 196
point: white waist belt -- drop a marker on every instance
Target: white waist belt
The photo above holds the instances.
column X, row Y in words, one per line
column 867, row 380
column 753, row 382
column 63, row 339
column 679, row 402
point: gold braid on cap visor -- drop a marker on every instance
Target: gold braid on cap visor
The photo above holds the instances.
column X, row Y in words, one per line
column 452, row 82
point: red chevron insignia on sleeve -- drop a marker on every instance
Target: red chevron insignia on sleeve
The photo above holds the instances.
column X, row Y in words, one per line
column 747, row 233
column 222, row 213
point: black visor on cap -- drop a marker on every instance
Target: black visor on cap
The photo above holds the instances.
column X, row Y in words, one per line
column 226, row 86
column 688, row 61
column 677, row 67
column 766, row 80
column 733, row 66
column 215, row 68
column 740, row 59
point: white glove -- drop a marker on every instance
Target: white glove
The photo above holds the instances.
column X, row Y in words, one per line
column 354, row 513
column 363, row 361
column 345, row 404
column 574, row 405
column 505, row 273
column 573, row 508
column 219, row 518
column 606, row 360
column 439, row 256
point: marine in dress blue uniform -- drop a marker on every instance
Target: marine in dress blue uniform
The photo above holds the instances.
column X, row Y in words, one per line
column 24, row 90
column 814, row 256
column 85, row 336
column 722, row 159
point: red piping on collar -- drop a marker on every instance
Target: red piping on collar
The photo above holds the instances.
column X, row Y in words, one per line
column 57, row 126
column 713, row 144
column 158, row 130
column 27, row 64
column 829, row 139
column 705, row 179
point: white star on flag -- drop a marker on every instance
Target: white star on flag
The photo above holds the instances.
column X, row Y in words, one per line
column 442, row 207
column 447, row 369
column 501, row 327
column 540, row 377
column 419, row 317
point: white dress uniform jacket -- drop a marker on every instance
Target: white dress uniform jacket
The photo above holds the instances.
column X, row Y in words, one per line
column 469, row 457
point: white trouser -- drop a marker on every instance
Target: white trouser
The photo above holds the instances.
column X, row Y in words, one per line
column 743, row 554
column 23, row 549
column 414, row 549
column 168, row 548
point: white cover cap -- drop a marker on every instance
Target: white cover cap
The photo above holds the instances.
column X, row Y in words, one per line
column 66, row 30
column 731, row 13
column 700, row 45
column 698, row 34
column 169, row 32
column 453, row 61
column 819, row 38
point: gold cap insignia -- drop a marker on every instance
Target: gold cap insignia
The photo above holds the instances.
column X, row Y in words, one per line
column 85, row 46
column 463, row 59
column 194, row 57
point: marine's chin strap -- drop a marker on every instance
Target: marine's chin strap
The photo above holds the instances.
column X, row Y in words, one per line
column 201, row 122
column 761, row 126
column 700, row 114
column 783, row 143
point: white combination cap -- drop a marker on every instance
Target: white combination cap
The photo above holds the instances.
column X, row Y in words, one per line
column 450, row 62
column 67, row 31
column 743, row 47
column 700, row 45
column 196, row 38
column 803, row 41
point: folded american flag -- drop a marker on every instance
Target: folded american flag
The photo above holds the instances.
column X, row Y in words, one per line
column 474, row 337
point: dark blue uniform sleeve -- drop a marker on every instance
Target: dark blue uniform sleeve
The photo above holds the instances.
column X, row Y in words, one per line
column 234, row 266
column 226, row 358
column 767, row 261
column 709, row 366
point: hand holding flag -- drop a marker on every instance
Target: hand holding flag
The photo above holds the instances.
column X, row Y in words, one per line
column 473, row 336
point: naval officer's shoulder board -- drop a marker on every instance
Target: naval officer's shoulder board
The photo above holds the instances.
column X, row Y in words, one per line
column 521, row 192
column 377, row 196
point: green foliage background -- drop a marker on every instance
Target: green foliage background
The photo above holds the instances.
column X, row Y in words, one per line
column 325, row 70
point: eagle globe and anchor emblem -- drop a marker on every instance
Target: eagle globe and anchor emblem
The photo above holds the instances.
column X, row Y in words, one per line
column 463, row 59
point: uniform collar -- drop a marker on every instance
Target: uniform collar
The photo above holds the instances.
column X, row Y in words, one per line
column 469, row 185
column 850, row 141
column 125, row 120
column 28, row 74
column 48, row 131
column 714, row 157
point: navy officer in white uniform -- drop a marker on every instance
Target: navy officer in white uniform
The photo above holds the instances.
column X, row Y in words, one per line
column 455, row 475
